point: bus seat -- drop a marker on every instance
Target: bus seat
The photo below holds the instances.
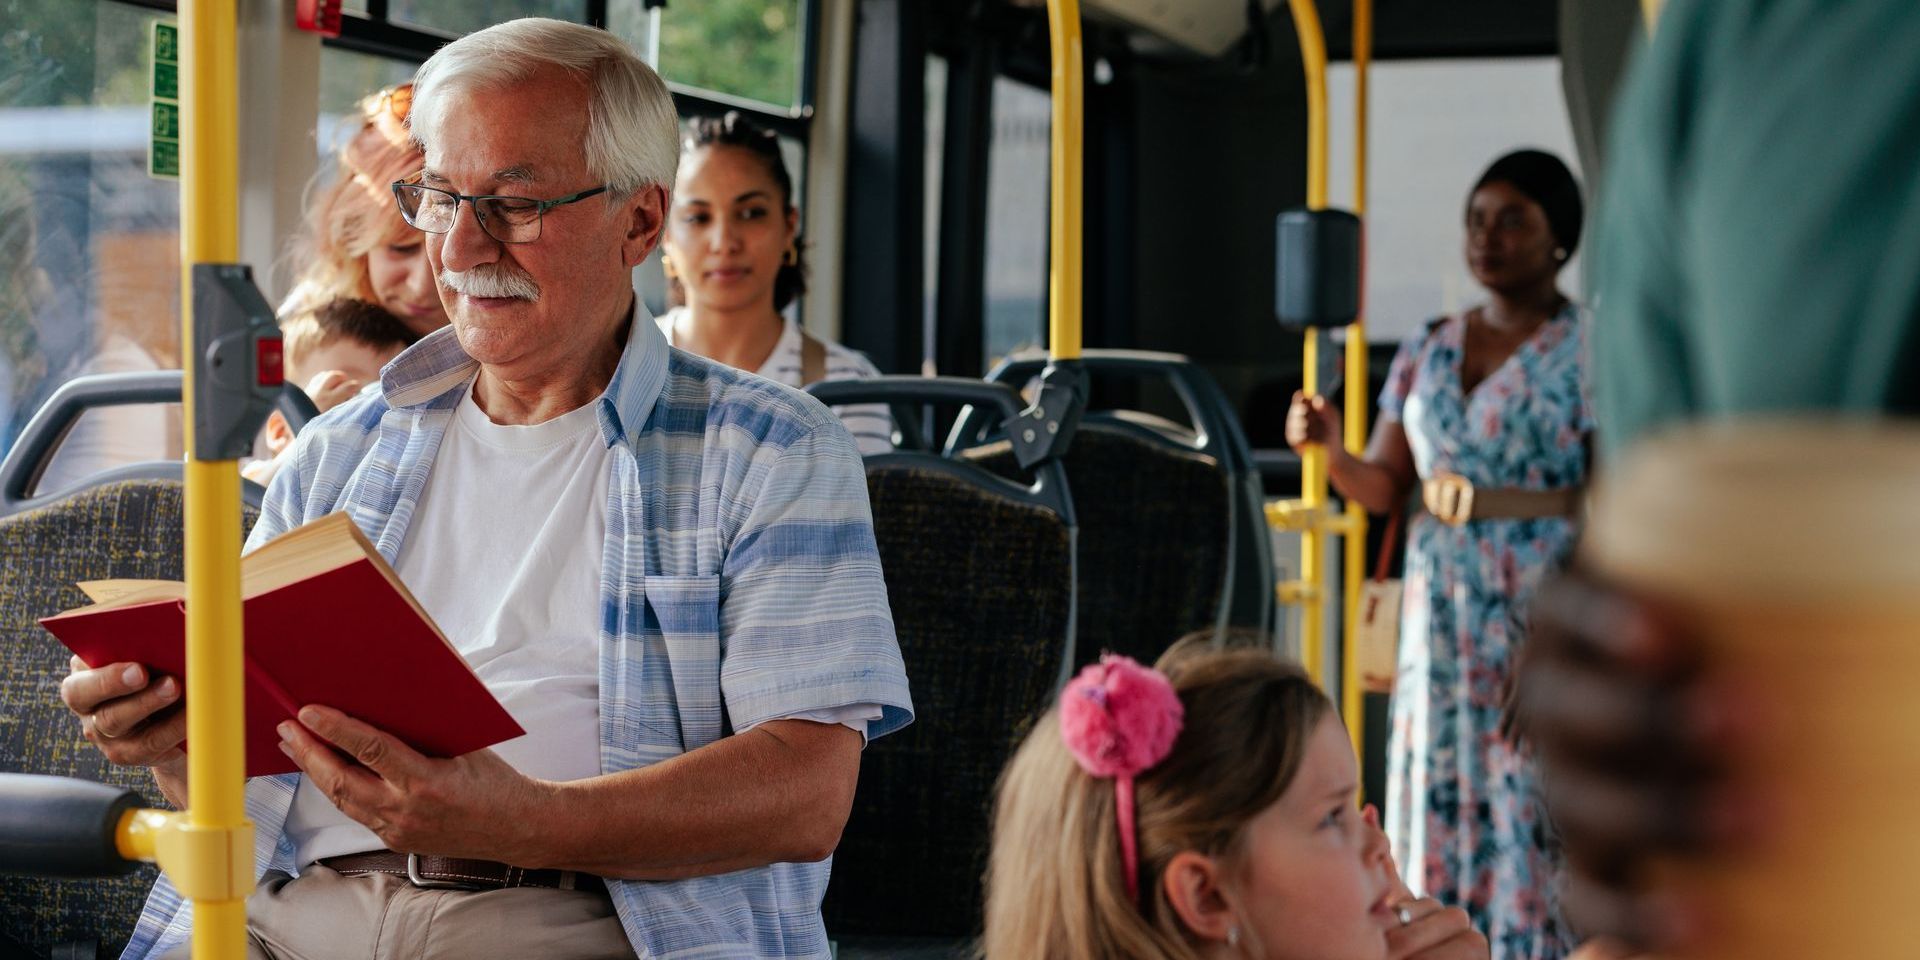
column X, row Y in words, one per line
column 27, row 462
column 1154, row 526
column 979, row 573
column 125, row 529
column 1173, row 531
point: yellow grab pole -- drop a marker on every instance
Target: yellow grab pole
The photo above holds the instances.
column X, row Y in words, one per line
column 1313, row 56
column 1650, row 11
column 1069, row 146
column 218, row 841
column 1313, row 462
column 1313, row 499
column 1352, row 702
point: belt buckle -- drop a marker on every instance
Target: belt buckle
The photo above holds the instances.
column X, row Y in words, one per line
column 414, row 877
column 1449, row 498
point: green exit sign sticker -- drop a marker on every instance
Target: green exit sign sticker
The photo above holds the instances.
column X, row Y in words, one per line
column 166, row 121
column 163, row 135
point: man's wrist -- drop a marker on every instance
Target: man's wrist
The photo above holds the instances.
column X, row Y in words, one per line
column 539, row 825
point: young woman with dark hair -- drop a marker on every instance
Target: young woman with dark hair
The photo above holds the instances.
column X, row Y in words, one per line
column 734, row 253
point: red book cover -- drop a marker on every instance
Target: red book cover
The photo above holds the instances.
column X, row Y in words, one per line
column 346, row 638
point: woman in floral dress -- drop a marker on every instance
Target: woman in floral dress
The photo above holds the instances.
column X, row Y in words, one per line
column 1494, row 395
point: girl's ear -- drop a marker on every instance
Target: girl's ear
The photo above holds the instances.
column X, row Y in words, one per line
column 1193, row 886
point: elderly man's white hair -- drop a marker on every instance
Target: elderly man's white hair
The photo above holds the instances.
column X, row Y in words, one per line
column 633, row 135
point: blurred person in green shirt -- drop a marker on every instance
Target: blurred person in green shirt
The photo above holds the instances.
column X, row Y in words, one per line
column 1757, row 251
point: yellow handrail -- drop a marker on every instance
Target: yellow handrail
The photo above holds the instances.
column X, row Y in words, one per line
column 1313, row 461
column 1313, row 56
column 1069, row 145
column 1352, row 702
column 218, row 838
column 1650, row 11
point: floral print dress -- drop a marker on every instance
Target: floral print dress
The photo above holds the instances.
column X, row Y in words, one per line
column 1463, row 805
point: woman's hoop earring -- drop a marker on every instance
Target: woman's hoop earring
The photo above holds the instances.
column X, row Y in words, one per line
column 792, row 257
column 667, row 267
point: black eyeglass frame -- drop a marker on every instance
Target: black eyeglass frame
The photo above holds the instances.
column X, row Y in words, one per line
column 539, row 212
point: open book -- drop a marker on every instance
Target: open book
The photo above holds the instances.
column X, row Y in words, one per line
column 327, row 622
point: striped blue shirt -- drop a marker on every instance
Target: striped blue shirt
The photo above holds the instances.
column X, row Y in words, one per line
column 740, row 583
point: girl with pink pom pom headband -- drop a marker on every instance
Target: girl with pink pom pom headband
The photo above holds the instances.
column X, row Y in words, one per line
column 1120, row 719
column 1233, row 804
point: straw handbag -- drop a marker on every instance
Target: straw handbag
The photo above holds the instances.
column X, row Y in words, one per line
column 1377, row 634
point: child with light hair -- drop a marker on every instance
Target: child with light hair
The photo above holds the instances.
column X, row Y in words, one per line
column 1207, row 808
column 332, row 352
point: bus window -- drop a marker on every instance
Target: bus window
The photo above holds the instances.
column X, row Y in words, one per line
column 92, row 267
column 933, row 170
column 1432, row 132
column 1017, row 205
column 346, row 76
column 763, row 41
column 456, row 17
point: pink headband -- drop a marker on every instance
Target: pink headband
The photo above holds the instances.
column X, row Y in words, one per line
column 1119, row 719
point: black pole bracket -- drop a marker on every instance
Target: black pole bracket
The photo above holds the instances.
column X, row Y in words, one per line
column 236, row 345
column 1045, row 430
column 1318, row 275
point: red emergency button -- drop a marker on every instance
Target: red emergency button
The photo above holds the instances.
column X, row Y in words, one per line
column 267, row 370
column 318, row 16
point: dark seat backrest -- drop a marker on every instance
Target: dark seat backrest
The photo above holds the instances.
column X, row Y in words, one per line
column 1163, row 550
column 979, row 574
column 123, row 530
column 982, row 601
column 1153, row 539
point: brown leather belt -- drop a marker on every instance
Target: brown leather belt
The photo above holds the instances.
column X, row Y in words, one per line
column 456, row 874
column 1454, row 500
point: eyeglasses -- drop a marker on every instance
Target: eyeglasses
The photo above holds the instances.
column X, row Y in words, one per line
column 506, row 219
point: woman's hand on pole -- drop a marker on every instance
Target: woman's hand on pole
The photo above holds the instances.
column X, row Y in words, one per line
column 1312, row 421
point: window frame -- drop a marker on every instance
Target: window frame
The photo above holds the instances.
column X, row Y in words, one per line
column 376, row 34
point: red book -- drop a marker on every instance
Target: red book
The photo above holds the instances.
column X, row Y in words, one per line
column 328, row 623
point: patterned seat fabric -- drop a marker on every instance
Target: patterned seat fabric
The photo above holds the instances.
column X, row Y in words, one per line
column 128, row 530
column 981, row 599
column 1153, row 539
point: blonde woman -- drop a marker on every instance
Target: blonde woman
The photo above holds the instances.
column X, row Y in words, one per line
column 356, row 245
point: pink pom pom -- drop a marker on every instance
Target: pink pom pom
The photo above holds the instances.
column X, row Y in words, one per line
column 1119, row 718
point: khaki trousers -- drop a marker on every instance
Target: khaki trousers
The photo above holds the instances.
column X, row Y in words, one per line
column 321, row 915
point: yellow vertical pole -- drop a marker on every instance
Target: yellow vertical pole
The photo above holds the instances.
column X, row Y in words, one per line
column 1650, row 12
column 210, row 233
column 1313, row 56
column 1069, row 145
column 1352, row 700
column 1313, row 462
column 1313, row 497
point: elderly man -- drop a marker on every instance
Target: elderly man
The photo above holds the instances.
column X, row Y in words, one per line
column 664, row 569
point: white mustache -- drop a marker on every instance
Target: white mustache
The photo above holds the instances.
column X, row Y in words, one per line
column 491, row 280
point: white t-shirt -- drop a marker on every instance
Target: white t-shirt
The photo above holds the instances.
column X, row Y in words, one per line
column 505, row 554
column 870, row 423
